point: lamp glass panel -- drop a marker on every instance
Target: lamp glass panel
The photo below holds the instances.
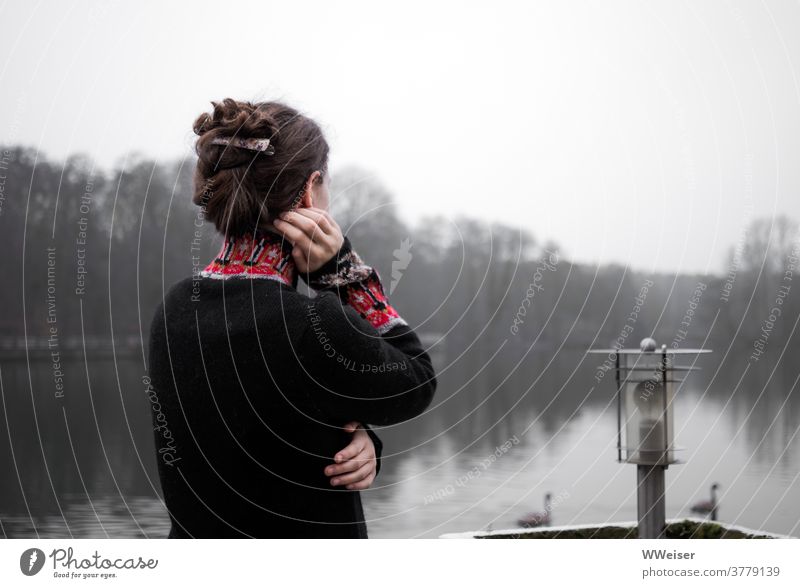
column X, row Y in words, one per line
column 646, row 411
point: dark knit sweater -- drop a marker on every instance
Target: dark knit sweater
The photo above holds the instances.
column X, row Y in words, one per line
column 251, row 382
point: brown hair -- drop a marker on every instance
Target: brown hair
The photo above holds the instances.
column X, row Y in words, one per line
column 243, row 189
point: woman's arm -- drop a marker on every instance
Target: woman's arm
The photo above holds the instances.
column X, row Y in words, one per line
column 365, row 362
column 370, row 365
column 357, row 285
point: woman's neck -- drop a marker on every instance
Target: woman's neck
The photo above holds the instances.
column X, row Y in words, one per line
column 263, row 255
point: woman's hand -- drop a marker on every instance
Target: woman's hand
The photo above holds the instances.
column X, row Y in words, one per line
column 356, row 464
column 314, row 234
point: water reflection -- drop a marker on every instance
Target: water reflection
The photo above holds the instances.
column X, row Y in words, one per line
column 83, row 465
column 105, row 516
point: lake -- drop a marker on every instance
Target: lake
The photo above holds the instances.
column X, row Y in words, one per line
column 493, row 443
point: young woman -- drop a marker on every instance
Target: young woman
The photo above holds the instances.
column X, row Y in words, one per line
column 262, row 391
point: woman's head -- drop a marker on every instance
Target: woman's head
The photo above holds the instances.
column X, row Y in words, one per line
column 243, row 189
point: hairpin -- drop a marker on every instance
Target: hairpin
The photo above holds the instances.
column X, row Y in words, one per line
column 252, row 144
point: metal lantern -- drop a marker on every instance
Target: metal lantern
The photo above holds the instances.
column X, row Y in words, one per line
column 646, row 379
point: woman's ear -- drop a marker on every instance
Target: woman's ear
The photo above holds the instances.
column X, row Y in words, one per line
column 307, row 201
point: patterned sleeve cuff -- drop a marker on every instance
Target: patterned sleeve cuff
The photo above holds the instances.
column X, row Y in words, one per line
column 326, row 276
column 357, row 285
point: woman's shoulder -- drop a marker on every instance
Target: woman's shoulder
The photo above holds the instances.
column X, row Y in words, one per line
column 200, row 294
column 227, row 306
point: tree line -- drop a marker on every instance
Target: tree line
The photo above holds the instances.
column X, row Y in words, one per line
column 90, row 252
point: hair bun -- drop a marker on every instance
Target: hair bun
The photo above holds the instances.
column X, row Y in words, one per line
column 242, row 188
column 231, row 118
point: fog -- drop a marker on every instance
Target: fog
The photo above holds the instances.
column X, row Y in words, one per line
column 639, row 134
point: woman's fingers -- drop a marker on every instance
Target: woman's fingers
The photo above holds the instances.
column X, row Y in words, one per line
column 299, row 234
column 363, row 484
column 356, row 446
column 318, row 216
column 355, row 464
column 323, row 218
column 350, row 465
column 306, row 223
column 358, row 475
column 351, row 427
column 292, row 233
column 314, row 235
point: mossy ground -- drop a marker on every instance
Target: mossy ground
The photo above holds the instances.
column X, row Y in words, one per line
column 678, row 530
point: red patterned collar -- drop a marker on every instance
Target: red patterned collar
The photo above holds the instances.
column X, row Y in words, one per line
column 265, row 255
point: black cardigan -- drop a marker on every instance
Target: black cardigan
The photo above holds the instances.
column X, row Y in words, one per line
column 251, row 382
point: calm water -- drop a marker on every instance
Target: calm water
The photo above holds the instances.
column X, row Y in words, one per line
column 83, row 465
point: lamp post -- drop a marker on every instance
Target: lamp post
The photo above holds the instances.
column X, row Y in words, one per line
column 646, row 379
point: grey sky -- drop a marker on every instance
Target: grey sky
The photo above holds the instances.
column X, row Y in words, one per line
column 632, row 132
